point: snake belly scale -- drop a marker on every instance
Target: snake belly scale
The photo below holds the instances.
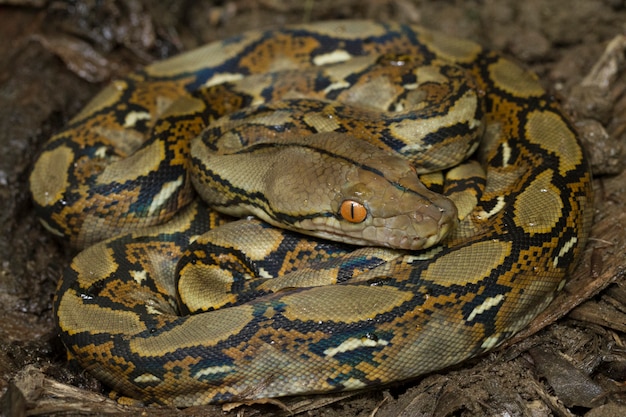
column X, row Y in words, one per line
column 121, row 170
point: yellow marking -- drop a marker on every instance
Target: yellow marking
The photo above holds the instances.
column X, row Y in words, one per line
column 561, row 285
column 566, row 248
column 222, row 78
column 48, row 181
column 378, row 94
column 238, row 234
column 133, row 117
column 162, row 104
column 207, row 56
column 182, row 221
column 356, row 65
column 469, row 264
column 94, row 264
column 430, row 74
column 109, row 96
column 206, row 329
column 166, row 192
column 77, row 317
column 354, row 343
column 465, row 202
column 301, row 278
column 345, row 29
column 333, row 57
column 348, row 304
column 486, row 305
column 539, row 207
column 184, row 106
column 464, row 109
column 141, row 162
column 548, row 130
column 321, row 122
column 515, row 80
column 203, row 286
column 449, row 47
column 270, row 119
column 125, row 141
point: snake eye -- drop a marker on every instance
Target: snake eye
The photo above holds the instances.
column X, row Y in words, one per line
column 353, row 211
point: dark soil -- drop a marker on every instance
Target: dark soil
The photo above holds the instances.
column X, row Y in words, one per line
column 55, row 55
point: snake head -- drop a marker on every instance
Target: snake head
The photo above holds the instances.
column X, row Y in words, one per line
column 398, row 213
column 329, row 185
column 376, row 199
column 390, row 207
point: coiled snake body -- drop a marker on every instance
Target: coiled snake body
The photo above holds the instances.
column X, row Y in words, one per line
column 449, row 282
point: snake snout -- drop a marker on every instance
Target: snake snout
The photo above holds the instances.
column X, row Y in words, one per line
column 427, row 226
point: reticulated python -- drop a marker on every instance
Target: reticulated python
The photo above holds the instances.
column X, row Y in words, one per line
column 523, row 204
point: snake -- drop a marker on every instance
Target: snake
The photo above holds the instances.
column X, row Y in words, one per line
column 359, row 259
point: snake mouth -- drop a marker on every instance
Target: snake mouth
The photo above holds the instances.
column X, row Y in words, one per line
column 419, row 234
column 415, row 230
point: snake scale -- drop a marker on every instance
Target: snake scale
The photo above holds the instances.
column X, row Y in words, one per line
column 163, row 312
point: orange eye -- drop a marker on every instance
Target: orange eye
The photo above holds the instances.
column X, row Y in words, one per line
column 353, row 211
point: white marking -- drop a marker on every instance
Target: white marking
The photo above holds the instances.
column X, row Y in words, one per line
column 398, row 107
column 561, row 285
column 166, row 191
column 486, row 305
column 147, row 379
column 491, row 341
column 354, row 384
column 139, row 276
column 499, row 206
column 101, row 152
column 133, row 117
column 153, row 310
column 223, row 78
column 264, row 274
column 212, row 370
column 354, row 343
column 564, row 250
column 50, row 229
column 412, row 86
column 425, row 256
column 474, row 123
column 336, row 86
column 506, row 154
column 332, row 58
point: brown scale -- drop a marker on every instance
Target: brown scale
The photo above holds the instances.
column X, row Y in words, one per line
column 292, row 53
